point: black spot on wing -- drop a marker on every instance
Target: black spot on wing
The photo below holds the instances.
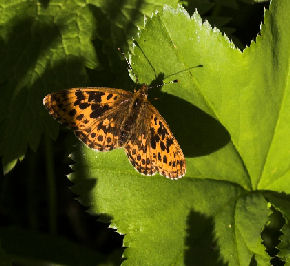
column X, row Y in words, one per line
column 72, row 112
column 109, row 96
column 80, row 117
column 80, row 97
column 164, row 159
column 95, row 96
column 162, row 146
column 159, row 156
column 101, row 127
column 162, row 130
column 83, row 105
column 154, row 138
column 169, row 142
column 98, row 110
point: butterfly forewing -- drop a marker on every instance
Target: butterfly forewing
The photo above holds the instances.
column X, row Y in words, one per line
column 93, row 113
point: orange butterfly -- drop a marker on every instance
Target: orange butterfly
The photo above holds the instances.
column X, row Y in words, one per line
column 107, row 118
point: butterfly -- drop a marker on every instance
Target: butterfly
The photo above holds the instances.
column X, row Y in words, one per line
column 108, row 118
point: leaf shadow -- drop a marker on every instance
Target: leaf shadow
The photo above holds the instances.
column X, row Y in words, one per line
column 44, row 3
column 82, row 186
column 19, row 52
column 115, row 25
column 201, row 247
column 197, row 132
column 275, row 231
column 21, row 109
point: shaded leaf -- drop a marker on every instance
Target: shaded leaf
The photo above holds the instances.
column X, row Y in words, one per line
column 248, row 94
column 46, row 47
column 33, row 248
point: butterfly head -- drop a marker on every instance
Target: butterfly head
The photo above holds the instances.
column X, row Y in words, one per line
column 142, row 92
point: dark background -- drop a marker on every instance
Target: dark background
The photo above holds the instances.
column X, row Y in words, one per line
column 32, row 204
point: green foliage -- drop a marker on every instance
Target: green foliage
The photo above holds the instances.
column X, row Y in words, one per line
column 230, row 116
column 254, row 1
column 46, row 46
column 248, row 93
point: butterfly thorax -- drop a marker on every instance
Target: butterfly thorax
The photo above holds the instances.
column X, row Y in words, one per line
column 142, row 92
column 136, row 107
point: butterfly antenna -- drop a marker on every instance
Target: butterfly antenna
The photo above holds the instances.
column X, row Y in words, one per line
column 187, row 69
column 147, row 59
column 128, row 63
column 175, row 80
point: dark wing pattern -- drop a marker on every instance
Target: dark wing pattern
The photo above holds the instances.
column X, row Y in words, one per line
column 95, row 114
column 153, row 148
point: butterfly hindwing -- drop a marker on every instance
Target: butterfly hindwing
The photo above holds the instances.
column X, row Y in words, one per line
column 154, row 148
column 140, row 156
column 167, row 155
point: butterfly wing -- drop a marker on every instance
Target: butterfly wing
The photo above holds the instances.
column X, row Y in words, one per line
column 93, row 113
column 153, row 147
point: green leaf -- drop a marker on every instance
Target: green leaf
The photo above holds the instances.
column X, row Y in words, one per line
column 41, row 49
column 251, row 107
column 282, row 203
column 152, row 212
column 46, row 47
column 254, row 1
column 236, row 147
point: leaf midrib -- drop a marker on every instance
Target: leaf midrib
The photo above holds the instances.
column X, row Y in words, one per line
column 275, row 128
column 208, row 102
